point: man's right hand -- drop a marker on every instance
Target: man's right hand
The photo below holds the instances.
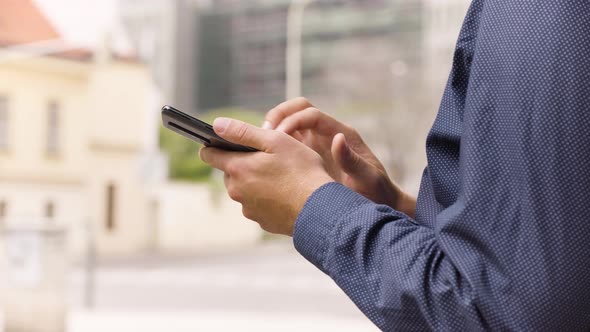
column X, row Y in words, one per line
column 347, row 157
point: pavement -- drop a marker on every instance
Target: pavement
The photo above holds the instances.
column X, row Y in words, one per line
column 265, row 288
column 181, row 321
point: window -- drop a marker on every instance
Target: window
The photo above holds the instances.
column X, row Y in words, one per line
column 110, row 207
column 2, row 210
column 49, row 210
column 52, row 146
column 3, row 123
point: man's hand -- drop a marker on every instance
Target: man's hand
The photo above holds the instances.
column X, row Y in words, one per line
column 272, row 185
column 347, row 158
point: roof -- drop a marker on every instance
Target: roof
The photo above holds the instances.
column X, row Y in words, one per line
column 21, row 22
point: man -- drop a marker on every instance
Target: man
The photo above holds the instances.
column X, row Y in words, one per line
column 500, row 237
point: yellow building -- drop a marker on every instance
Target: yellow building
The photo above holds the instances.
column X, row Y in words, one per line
column 77, row 137
column 79, row 149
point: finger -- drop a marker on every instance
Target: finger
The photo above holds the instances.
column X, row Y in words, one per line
column 310, row 118
column 298, row 136
column 274, row 117
column 348, row 160
column 217, row 158
column 242, row 133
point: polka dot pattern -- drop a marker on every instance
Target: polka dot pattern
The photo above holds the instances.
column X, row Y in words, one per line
column 501, row 238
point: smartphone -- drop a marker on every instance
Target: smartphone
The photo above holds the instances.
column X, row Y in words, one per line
column 197, row 130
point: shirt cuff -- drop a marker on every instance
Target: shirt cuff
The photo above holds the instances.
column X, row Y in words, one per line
column 315, row 223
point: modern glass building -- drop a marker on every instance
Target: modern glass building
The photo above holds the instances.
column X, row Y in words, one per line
column 242, row 48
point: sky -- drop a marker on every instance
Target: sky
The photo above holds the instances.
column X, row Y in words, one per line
column 81, row 22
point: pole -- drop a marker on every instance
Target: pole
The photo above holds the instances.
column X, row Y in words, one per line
column 90, row 267
column 293, row 52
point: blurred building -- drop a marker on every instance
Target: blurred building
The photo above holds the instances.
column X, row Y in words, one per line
column 222, row 53
column 165, row 35
column 243, row 47
column 79, row 149
column 348, row 47
column 76, row 135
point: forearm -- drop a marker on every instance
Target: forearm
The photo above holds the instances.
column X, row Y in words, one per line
column 404, row 276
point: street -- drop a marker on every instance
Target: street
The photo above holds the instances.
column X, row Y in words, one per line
column 265, row 288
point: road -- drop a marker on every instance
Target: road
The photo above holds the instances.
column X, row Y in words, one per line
column 266, row 288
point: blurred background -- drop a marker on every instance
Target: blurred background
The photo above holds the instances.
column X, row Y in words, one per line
column 109, row 222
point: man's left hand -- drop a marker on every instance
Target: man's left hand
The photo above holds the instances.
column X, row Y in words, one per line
column 273, row 184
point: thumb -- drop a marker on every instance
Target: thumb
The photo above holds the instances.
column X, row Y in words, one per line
column 347, row 159
column 239, row 132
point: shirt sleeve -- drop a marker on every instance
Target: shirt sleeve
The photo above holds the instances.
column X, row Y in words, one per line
column 392, row 268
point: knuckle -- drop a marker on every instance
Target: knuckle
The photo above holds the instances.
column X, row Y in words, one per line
column 281, row 108
column 247, row 213
column 302, row 100
column 313, row 111
column 233, row 193
column 351, row 131
column 232, row 170
column 275, row 135
column 264, row 226
column 282, row 111
column 242, row 131
column 273, row 113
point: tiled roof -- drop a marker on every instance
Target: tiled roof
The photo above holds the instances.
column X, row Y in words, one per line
column 21, row 21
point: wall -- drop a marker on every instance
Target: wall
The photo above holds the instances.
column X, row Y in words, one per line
column 105, row 112
column 30, row 87
column 194, row 217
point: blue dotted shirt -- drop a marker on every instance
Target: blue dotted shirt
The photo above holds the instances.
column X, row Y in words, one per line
column 501, row 239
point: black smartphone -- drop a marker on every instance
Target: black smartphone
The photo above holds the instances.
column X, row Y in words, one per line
column 197, row 130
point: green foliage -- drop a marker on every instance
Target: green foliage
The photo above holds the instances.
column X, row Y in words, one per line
column 183, row 153
column 184, row 161
column 252, row 117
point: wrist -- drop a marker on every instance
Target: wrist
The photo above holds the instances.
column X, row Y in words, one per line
column 406, row 204
column 305, row 194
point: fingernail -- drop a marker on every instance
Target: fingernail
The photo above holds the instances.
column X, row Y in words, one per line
column 200, row 153
column 220, row 124
column 267, row 125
